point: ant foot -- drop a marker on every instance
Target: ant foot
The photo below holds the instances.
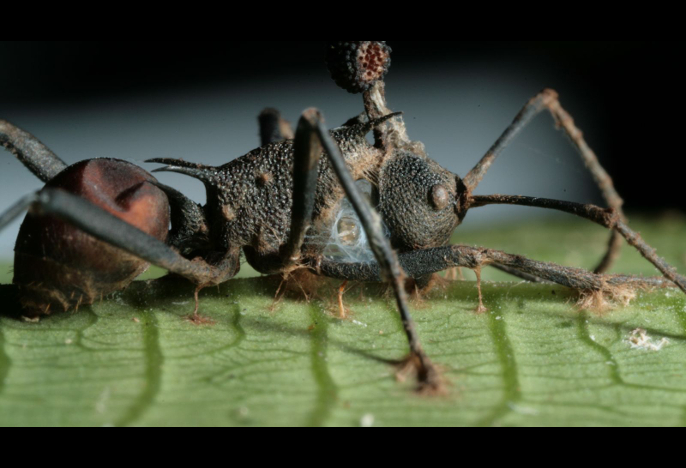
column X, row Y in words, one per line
column 430, row 382
column 482, row 308
column 197, row 319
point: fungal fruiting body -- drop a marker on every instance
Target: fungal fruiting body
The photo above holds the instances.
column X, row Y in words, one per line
column 356, row 65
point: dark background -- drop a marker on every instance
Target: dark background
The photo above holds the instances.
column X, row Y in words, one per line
column 88, row 99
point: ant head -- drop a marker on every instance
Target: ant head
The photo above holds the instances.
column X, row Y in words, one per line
column 420, row 202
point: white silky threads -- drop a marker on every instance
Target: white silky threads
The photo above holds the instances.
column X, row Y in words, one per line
column 346, row 240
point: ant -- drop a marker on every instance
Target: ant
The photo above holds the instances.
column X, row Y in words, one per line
column 99, row 223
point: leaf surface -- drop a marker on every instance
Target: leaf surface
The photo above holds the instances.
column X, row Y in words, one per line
column 534, row 359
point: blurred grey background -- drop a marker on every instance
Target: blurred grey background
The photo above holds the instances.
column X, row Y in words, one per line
column 199, row 101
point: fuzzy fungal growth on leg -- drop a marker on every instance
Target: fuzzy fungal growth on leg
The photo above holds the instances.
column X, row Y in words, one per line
column 601, row 301
column 356, row 65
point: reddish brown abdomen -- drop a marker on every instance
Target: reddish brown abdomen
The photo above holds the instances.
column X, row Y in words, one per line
column 58, row 267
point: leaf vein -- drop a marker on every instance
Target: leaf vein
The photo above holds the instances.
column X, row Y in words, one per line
column 510, row 373
column 327, row 389
column 153, row 371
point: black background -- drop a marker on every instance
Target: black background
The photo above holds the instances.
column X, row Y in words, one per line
column 635, row 86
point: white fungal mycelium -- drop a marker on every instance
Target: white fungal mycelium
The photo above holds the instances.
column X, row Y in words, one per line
column 346, row 241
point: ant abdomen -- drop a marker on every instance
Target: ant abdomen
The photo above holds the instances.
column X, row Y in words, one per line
column 59, row 267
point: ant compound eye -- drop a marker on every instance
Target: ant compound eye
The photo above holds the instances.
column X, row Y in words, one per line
column 356, row 65
column 348, row 231
column 440, row 198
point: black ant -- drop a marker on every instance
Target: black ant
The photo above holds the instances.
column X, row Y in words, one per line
column 98, row 224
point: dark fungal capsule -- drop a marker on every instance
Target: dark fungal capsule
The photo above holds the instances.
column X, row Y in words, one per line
column 356, row 65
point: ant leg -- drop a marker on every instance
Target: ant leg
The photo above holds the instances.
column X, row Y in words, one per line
column 307, row 151
column 425, row 262
column 481, row 309
column 16, row 210
column 42, row 162
column 518, row 274
column 608, row 218
column 386, row 257
column 341, row 307
column 454, row 274
column 273, row 127
column 451, row 275
column 549, row 100
column 112, row 230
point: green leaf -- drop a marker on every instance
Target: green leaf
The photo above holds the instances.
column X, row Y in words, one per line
column 534, row 359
